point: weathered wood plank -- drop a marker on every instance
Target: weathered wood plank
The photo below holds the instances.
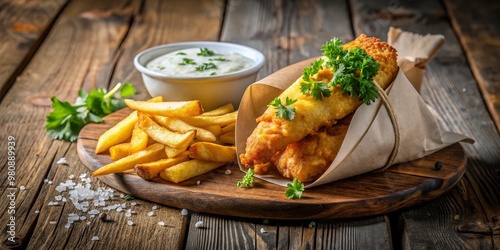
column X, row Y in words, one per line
column 23, row 27
column 476, row 24
column 450, row 89
column 233, row 233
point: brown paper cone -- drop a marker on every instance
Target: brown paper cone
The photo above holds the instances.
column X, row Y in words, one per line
column 370, row 139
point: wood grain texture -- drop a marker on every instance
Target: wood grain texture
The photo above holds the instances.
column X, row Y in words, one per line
column 449, row 88
column 481, row 44
column 238, row 233
column 23, row 27
column 370, row 194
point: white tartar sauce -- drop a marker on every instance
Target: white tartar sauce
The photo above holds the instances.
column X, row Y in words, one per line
column 199, row 62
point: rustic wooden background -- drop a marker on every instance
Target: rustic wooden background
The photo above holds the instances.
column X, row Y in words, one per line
column 56, row 47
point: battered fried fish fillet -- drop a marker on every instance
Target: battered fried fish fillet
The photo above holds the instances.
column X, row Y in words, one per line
column 273, row 133
column 309, row 158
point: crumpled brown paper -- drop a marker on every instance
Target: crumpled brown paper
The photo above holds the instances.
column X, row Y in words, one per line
column 370, row 139
column 414, row 52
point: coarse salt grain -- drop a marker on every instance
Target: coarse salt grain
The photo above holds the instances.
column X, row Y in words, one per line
column 161, row 224
column 198, row 182
column 184, row 212
column 151, row 213
column 199, row 224
column 154, row 207
column 228, row 171
column 94, row 238
column 262, row 230
column 22, row 187
column 62, row 161
column 37, row 211
column 133, row 204
column 52, row 222
column 53, row 203
column 130, row 223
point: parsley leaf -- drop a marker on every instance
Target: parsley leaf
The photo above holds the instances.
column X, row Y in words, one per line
column 220, row 59
column 317, row 89
column 206, row 66
column 284, row 111
column 128, row 197
column 66, row 120
column 247, row 179
column 186, row 61
column 307, row 73
column 205, row 52
column 294, row 190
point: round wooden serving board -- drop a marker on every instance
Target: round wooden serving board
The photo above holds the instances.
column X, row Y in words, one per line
column 398, row 187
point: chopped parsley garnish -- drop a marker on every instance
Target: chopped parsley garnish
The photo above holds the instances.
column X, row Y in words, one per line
column 247, row 179
column 213, row 73
column 284, row 111
column 294, row 190
column 181, row 53
column 160, row 67
column 205, row 52
column 206, row 66
column 66, row 120
column 186, row 61
column 353, row 72
column 220, row 59
column 128, row 197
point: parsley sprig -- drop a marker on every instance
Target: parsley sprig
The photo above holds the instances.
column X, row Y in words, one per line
column 206, row 66
column 205, row 52
column 284, row 111
column 66, row 120
column 247, row 180
column 294, row 190
column 353, row 72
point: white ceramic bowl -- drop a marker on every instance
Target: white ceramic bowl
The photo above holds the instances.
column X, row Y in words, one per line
column 212, row 91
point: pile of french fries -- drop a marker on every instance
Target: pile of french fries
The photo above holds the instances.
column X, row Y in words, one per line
column 174, row 140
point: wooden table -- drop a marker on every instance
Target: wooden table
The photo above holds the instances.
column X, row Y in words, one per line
column 56, row 47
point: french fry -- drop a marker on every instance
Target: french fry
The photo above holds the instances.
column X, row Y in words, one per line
column 150, row 170
column 227, row 138
column 175, row 109
column 152, row 153
column 162, row 134
column 188, row 169
column 207, row 151
column 178, row 125
column 116, row 134
column 215, row 129
column 228, row 108
column 119, row 151
column 121, row 131
column 139, row 140
column 173, row 152
column 228, row 128
column 203, row 121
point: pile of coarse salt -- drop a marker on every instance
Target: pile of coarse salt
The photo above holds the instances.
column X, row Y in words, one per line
column 90, row 201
